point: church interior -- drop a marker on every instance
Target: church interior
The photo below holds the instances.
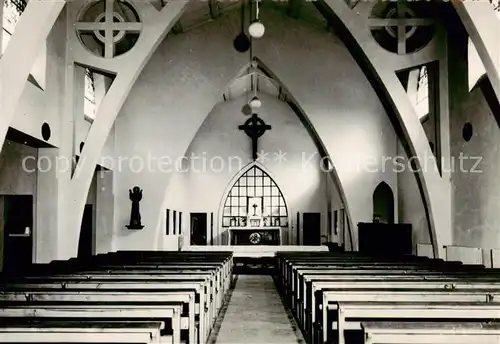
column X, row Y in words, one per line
column 250, row 171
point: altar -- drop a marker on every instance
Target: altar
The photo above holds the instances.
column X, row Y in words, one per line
column 254, row 236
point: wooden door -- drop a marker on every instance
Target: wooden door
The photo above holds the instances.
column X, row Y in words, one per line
column 18, row 231
column 311, row 227
column 199, row 229
column 86, row 241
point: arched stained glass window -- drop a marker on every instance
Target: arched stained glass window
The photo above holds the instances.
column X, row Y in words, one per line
column 255, row 201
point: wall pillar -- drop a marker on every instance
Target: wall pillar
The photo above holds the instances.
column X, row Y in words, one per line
column 46, row 231
column 105, row 199
column 458, row 91
column 2, row 224
column 374, row 62
column 153, row 32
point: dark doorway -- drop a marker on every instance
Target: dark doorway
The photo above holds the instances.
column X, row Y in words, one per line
column 383, row 204
column 298, row 229
column 211, row 228
column 199, row 229
column 311, row 227
column 86, row 242
column 18, row 231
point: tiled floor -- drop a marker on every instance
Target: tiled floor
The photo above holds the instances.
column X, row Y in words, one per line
column 255, row 314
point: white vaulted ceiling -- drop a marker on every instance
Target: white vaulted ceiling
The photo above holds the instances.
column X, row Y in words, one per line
column 255, row 81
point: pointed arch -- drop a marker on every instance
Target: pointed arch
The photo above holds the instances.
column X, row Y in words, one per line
column 287, row 97
column 434, row 188
column 383, row 203
column 106, row 115
column 323, row 152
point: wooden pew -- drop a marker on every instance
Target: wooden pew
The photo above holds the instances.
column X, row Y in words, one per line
column 99, row 312
column 181, row 259
column 199, row 282
column 125, row 277
column 335, row 279
column 335, row 272
column 144, row 273
column 291, row 276
column 431, row 333
column 219, row 284
column 305, row 277
column 216, row 279
column 64, row 331
column 329, row 263
column 298, row 270
column 313, row 300
column 315, row 287
column 137, row 259
column 213, row 295
column 331, row 299
column 424, row 284
column 52, row 296
column 441, row 311
column 287, row 263
column 378, row 268
column 300, row 298
column 127, row 286
column 221, row 281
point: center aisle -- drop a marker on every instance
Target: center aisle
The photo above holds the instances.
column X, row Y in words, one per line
column 255, row 314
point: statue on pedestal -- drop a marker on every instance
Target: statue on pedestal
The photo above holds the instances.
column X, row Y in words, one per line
column 135, row 196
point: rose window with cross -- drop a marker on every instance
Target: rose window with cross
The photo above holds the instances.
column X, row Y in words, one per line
column 108, row 28
column 402, row 27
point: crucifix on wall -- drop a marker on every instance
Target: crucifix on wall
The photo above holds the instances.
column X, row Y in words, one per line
column 254, row 127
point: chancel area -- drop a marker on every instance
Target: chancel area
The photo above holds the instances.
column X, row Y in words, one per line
column 249, row 171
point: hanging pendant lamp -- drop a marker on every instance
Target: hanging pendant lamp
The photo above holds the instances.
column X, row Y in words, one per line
column 255, row 102
column 242, row 43
column 256, row 29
